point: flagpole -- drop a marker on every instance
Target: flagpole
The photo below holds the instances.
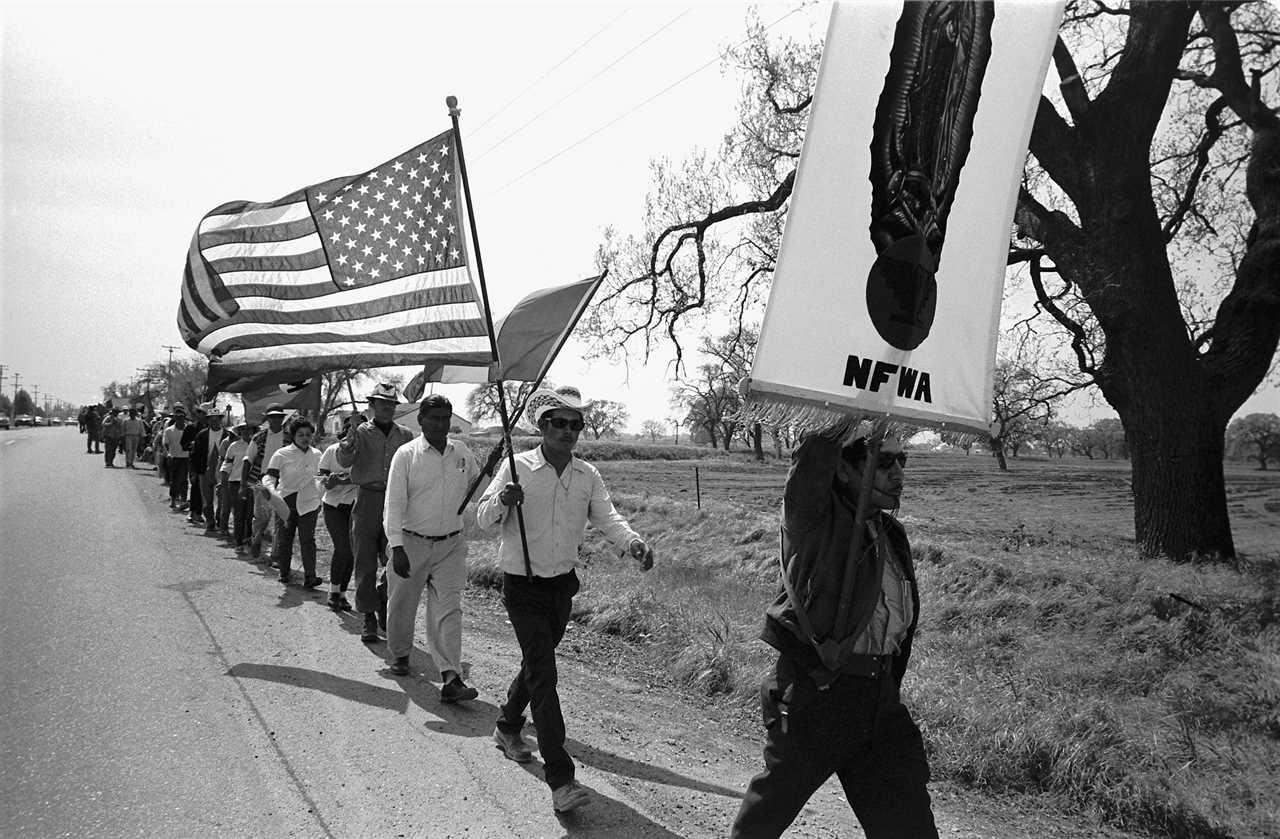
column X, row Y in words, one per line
column 542, row 374
column 454, row 112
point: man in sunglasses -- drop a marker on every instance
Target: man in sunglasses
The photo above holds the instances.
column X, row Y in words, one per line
column 832, row 704
column 560, row 494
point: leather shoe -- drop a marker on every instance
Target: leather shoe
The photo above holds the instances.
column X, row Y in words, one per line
column 400, row 667
column 456, row 690
column 312, row 582
column 370, row 633
column 338, row 602
column 571, row 796
column 513, row 746
column 285, row 577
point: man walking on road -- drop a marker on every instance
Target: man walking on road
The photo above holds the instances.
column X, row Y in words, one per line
column 427, row 482
column 133, row 429
column 204, row 466
column 292, row 474
column 367, row 452
column 93, row 430
column 234, row 506
column 112, row 435
column 264, row 444
column 832, row 704
column 176, row 454
column 560, row 494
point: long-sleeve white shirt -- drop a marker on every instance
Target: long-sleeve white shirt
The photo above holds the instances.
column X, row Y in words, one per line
column 556, row 511
column 425, row 487
column 298, row 470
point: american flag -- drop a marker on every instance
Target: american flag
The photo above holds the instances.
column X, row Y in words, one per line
column 363, row 271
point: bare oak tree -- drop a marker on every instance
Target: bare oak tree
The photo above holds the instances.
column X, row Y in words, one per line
column 1150, row 219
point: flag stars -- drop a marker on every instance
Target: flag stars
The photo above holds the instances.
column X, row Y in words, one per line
column 349, row 281
column 398, row 166
column 444, row 150
column 414, row 235
column 453, row 253
column 328, row 215
column 379, row 195
column 320, row 197
column 364, row 189
column 406, row 250
column 395, row 203
column 353, row 204
column 422, row 260
column 359, row 266
column 417, row 198
column 399, row 266
column 389, row 181
column 335, row 237
column 351, row 243
column 367, row 251
column 377, row 234
column 392, row 242
column 400, row 227
column 435, row 166
column 436, row 192
column 342, row 259
column 368, row 212
column 386, row 219
column 344, row 221
column 360, row 228
column 445, row 176
column 382, row 259
column 413, row 173
column 448, row 203
column 422, row 157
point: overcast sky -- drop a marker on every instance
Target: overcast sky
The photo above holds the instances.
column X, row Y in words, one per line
column 123, row 126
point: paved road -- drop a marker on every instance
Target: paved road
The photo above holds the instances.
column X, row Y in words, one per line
column 152, row 684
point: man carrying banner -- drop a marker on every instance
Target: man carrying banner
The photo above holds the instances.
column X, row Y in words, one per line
column 832, row 704
column 265, row 443
column 560, row 494
column 366, row 452
column 427, row 481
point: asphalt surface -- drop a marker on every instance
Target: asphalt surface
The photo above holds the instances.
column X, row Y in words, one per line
column 153, row 684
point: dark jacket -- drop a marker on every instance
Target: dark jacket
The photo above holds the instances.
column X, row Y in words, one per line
column 817, row 536
column 200, row 450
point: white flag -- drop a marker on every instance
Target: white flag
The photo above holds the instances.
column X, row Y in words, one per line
column 886, row 297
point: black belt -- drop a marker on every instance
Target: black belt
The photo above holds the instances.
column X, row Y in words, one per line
column 866, row 666
column 432, row 538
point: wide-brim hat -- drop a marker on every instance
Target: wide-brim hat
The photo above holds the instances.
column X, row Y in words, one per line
column 385, row 391
column 180, row 411
column 274, row 410
column 545, row 399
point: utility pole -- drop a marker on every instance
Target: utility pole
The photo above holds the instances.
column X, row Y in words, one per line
column 17, row 377
column 35, row 399
column 168, row 391
column 2, row 378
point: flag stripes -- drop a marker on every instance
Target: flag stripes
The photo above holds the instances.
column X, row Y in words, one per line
column 369, row 268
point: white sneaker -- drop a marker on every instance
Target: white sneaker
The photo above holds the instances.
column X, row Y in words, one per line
column 569, row 797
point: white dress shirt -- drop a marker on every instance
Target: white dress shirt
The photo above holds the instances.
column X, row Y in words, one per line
column 342, row 493
column 425, row 487
column 235, row 452
column 556, row 511
column 298, row 469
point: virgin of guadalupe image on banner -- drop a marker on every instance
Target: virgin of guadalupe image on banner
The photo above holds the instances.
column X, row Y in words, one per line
column 886, row 296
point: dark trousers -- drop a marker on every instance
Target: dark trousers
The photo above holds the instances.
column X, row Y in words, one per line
column 241, row 513
column 94, row 443
column 337, row 520
column 539, row 611
column 857, row 729
column 305, row 527
column 197, row 501
column 112, row 444
column 177, row 479
column 225, row 502
column 369, row 547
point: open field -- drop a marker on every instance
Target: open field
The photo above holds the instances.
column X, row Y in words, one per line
column 1051, row 659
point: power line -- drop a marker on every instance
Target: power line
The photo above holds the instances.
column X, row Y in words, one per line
column 538, row 80
column 631, row 110
column 595, row 76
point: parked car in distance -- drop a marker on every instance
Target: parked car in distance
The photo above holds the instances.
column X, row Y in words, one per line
column 4, row 421
column 24, row 419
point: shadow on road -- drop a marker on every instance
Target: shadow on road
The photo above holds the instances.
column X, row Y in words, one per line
column 619, row 765
column 350, row 689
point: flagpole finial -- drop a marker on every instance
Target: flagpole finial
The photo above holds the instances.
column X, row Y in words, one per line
column 452, row 103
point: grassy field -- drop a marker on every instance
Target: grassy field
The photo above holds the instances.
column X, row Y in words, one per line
column 1051, row 659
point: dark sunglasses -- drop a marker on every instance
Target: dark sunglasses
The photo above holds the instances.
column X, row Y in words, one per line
column 560, row 423
column 886, row 461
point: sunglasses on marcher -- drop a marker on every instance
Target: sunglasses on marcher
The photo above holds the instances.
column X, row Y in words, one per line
column 886, row 461
column 560, row 423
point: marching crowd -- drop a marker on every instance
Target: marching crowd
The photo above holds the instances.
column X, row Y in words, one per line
column 392, row 501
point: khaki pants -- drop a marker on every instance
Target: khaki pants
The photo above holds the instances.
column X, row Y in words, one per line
column 440, row 568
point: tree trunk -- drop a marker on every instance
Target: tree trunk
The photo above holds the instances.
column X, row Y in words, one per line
column 997, row 449
column 757, row 437
column 1179, row 492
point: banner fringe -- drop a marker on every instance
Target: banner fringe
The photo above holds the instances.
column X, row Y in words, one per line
column 805, row 418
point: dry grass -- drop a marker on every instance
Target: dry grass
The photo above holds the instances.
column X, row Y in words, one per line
column 1051, row 657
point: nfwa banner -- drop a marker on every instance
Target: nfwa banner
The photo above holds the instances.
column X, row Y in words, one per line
column 886, row 297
